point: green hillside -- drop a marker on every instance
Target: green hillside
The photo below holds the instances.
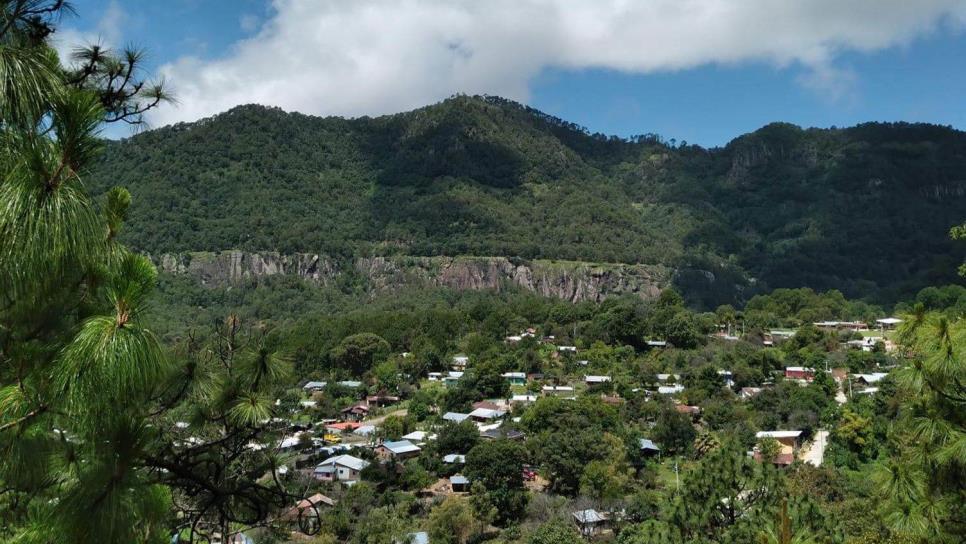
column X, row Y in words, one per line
column 865, row 209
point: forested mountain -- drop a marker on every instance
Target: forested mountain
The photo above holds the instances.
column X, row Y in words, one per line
column 864, row 209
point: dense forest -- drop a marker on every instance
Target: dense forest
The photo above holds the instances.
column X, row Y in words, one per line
column 864, row 209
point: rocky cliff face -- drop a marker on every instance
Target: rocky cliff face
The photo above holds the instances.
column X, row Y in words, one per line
column 573, row 281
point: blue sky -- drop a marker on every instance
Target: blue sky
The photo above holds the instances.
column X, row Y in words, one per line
column 704, row 75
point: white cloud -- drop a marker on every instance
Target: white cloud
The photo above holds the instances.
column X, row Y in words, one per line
column 367, row 57
column 107, row 32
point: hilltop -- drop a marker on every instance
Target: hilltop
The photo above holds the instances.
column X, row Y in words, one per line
column 864, row 209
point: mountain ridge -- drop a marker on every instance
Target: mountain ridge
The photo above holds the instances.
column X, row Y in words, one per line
column 863, row 209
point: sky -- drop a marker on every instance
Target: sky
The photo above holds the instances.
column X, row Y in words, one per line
column 701, row 71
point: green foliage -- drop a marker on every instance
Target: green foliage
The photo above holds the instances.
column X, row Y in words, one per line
column 498, row 466
column 485, row 176
column 554, row 532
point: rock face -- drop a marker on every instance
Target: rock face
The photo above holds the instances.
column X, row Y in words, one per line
column 573, row 281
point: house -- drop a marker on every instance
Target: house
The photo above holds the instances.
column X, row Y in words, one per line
column 342, row 426
column 563, row 391
column 308, row 507
column 365, row 430
column 799, row 373
column 452, row 377
column 567, row 349
column 356, row 412
column 484, row 415
column 869, row 379
column 842, row 325
column 341, row 468
column 293, row 441
column 749, row 392
column 523, row 399
column 460, row 362
column 657, row 343
column 693, row 411
column 455, row 417
column 516, row 378
column 728, row 377
column 888, row 323
column 501, row 433
column 668, row 378
column 596, row 380
column 418, row 436
column 434, row 376
column 454, row 459
column 865, row 344
column 648, row 447
column 591, row 522
column 399, row 450
column 490, row 404
column 669, row 389
column 381, row 400
column 351, row 384
column 459, row 483
column 314, row 386
column 789, row 441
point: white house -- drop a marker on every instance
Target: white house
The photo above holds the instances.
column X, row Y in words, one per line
column 596, row 380
column 342, row 468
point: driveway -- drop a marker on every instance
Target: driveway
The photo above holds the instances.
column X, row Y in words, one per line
column 814, row 454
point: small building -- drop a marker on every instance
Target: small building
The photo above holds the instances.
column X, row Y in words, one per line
column 460, row 361
column 434, row 376
column 342, row 426
column 668, row 378
column 365, row 430
column 648, row 447
column 790, row 442
column 869, row 379
column 351, row 384
column 399, row 450
column 452, row 377
column 728, row 377
column 799, row 373
column 865, row 344
column 418, row 436
column 459, row 483
column 596, row 380
column 454, row 459
column 888, row 323
column 516, row 378
column 563, row 391
column 657, row 343
column 693, row 411
column 523, row 399
column 842, row 325
column 749, row 392
column 455, row 417
column 342, row 468
column 356, row 412
column 670, row 389
column 590, row 522
column 308, row 508
column 381, row 400
column 485, row 415
column 567, row 349
column 314, row 386
column 500, row 433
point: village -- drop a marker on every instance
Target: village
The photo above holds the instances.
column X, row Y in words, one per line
column 371, row 430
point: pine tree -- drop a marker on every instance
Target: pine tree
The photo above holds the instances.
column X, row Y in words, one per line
column 923, row 481
column 89, row 448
